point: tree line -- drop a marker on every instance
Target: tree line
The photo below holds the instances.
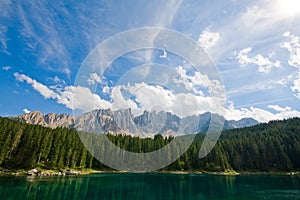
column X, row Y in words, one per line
column 273, row 146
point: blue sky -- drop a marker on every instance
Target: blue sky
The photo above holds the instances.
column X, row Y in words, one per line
column 254, row 45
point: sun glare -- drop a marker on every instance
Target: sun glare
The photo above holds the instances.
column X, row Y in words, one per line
column 288, row 7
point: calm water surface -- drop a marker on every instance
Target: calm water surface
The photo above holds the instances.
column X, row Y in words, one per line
column 150, row 186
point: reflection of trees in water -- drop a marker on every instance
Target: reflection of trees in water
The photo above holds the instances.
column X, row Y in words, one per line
column 149, row 186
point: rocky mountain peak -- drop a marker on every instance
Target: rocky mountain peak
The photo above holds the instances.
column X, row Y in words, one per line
column 123, row 121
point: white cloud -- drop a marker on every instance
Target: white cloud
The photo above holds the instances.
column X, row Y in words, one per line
column 119, row 101
column 208, row 39
column 25, row 110
column 49, row 42
column 257, row 25
column 72, row 97
column 258, row 86
column 284, row 113
column 242, row 56
column 164, row 54
column 189, row 104
column 66, row 70
column 81, row 98
column 264, row 63
column 147, row 96
column 93, row 79
column 280, row 109
column 3, row 40
column 287, row 8
column 197, row 82
column 150, row 95
column 285, row 81
column 42, row 89
column 293, row 46
column 255, row 16
column 296, row 86
column 259, row 114
column 57, row 80
column 106, row 89
column 286, row 34
column 6, row 68
column 142, row 96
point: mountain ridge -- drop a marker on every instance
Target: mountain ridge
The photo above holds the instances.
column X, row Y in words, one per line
column 123, row 121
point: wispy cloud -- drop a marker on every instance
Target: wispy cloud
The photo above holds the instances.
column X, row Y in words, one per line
column 43, row 34
column 6, row 68
column 255, row 87
column 260, row 114
column 255, row 25
column 94, row 78
column 264, row 64
column 3, row 40
column 42, row 89
column 5, row 11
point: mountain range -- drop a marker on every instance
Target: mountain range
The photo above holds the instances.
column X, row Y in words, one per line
column 124, row 122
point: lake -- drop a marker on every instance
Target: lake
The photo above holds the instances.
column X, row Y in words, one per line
column 150, row 186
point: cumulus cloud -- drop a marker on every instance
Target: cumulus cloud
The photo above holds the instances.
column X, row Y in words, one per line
column 42, row 89
column 142, row 96
column 81, row 98
column 197, row 82
column 242, row 56
column 264, row 63
column 25, row 110
column 121, row 102
column 72, row 97
column 152, row 95
column 208, row 38
column 190, row 104
column 93, row 79
column 259, row 114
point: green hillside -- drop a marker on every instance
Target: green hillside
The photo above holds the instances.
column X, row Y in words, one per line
column 273, row 146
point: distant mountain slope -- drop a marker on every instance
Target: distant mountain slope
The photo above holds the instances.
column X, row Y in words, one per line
column 123, row 121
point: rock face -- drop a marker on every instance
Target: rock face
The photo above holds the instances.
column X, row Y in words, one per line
column 32, row 172
column 49, row 120
column 146, row 124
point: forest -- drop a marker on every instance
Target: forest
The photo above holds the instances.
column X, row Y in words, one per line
column 273, row 146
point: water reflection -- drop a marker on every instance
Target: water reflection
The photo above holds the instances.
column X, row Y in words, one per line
column 148, row 186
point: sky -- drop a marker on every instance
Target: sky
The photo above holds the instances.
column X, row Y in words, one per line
column 51, row 58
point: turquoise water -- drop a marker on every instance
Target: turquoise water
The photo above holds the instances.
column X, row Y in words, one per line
column 150, row 186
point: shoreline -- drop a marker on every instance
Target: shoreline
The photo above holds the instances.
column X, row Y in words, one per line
column 75, row 172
